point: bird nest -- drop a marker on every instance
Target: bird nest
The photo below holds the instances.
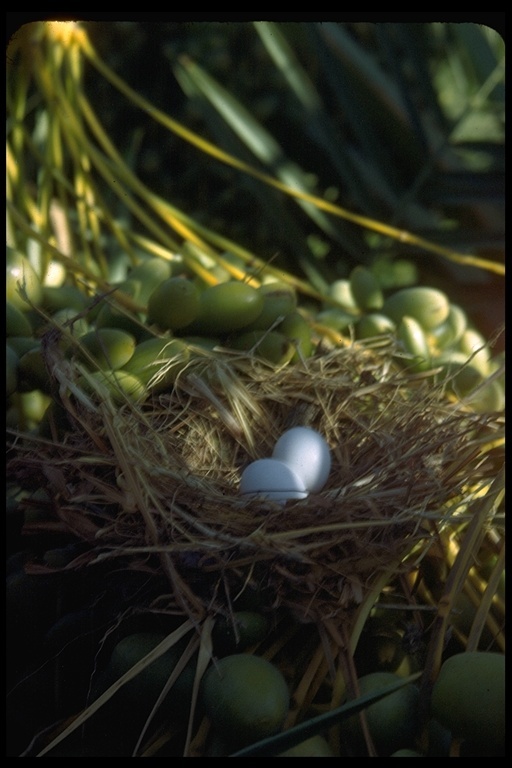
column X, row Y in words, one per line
column 155, row 484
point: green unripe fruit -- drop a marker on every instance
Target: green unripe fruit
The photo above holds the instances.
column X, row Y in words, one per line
column 33, row 406
column 157, row 362
column 365, row 289
column 393, row 720
column 174, row 304
column 439, row 739
column 451, row 330
column 476, row 348
column 202, row 342
column 414, row 342
column 227, row 307
column 16, row 322
column 374, row 324
column 23, row 286
column 32, row 372
column 37, row 320
column 118, row 385
column 14, row 418
column 22, row 344
column 54, row 422
column 137, row 697
column 271, row 346
column 148, row 275
column 109, row 348
column 341, row 292
column 382, row 650
column 297, row 329
column 246, row 698
column 316, row 746
column 468, row 697
column 461, row 376
column 337, row 319
column 131, row 288
column 11, row 370
column 489, row 399
column 463, row 615
column 245, row 629
column 60, row 297
column 278, row 301
column 111, row 316
column 428, row 306
column 69, row 319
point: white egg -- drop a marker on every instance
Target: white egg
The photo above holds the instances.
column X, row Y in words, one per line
column 271, row 479
column 307, row 453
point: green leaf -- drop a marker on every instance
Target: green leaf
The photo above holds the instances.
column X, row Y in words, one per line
column 261, row 143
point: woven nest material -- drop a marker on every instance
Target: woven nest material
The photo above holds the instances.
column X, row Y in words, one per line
column 157, row 483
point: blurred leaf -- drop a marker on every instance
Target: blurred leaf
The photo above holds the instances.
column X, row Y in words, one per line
column 261, row 143
column 311, row 114
column 480, row 57
column 272, row 204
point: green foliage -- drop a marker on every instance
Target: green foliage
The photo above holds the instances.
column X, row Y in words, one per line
column 159, row 176
column 374, row 116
